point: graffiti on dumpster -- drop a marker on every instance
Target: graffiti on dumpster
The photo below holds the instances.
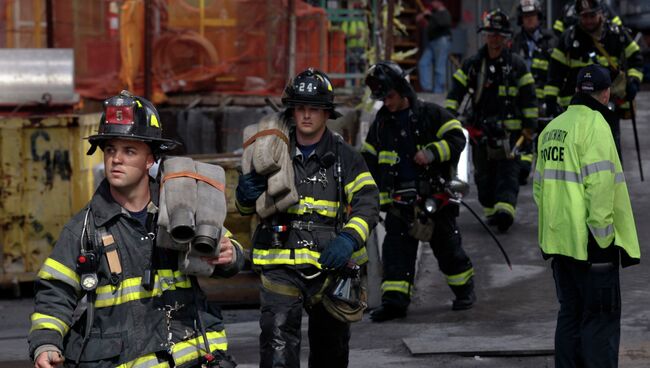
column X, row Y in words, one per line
column 57, row 162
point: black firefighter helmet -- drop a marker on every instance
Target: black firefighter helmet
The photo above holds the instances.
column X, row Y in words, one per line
column 496, row 21
column 130, row 117
column 529, row 7
column 312, row 88
column 587, row 6
column 385, row 76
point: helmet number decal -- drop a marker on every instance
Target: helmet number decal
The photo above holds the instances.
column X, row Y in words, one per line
column 122, row 115
column 307, row 87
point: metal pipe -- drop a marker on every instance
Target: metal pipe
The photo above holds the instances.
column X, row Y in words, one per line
column 148, row 40
column 49, row 15
column 389, row 29
column 292, row 39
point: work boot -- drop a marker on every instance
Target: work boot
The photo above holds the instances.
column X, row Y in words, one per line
column 465, row 296
column 386, row 312
column 504, row 220
column 491, row 220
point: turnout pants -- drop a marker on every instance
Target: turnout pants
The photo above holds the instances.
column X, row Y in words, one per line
column 399, row 252
column 497, row 181
column 589, row 321
column 284, row 293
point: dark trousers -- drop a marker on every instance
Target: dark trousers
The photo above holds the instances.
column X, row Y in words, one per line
column 497, row 181
column 283, row 294
column 399, row 252
column 589, row 321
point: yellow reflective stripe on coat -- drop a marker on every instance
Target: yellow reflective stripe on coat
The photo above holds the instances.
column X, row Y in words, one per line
column 507, row 207
column 539, row 64
column 384, row 198
column 146, row 361
column 512, row 124
column 54, row 270
column 131, row 289
column 388, row 157
column 527, row 157
column 42, row 321
column 448, row 126
column 243, row 209
column 360, row 256
column 398, row 286
column 636, row 73
column 451, row 104
column 558, row 25
column 290, row 257
column 525, row 80
column 367, row 147
column 298, row 256
column 564, row 101
column 551, row 90
column 512, row 91
column 311, row 205
column 530, row 112
column 631, row 49
column 359, row 182
column 539, row 93
column 360, row 226
column 461, row 77
column 461, row 278
column 193, row 349
column 559, row 56
column 443, row 150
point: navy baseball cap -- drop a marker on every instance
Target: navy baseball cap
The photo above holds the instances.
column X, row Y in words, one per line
column 593, row 78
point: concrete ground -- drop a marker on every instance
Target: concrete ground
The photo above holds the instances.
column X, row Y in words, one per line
column 513, row 306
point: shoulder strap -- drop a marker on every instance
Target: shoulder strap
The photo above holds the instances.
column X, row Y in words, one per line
column 604, row 53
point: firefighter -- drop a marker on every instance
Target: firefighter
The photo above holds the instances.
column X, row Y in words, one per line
column 569, row 18
column 410, row 147
column 534, row 44
column 501, row 117
column 586, row 224
column 105, row 255
column 594, row 40
column 298, row 250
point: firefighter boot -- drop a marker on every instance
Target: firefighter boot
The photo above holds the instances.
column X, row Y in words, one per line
column 386, row 312
column 465, row 296
column 503, row 221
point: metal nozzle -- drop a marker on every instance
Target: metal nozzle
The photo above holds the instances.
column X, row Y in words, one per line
column 181, row 222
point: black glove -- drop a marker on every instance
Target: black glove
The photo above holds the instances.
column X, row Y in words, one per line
column 250, row 187
column 552, row 107
column 338, row 252
column 632, row 88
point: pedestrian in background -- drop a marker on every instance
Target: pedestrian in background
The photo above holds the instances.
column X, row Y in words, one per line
column 586, row 224
column 436, row 49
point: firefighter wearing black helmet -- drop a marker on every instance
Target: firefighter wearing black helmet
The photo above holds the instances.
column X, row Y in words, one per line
column 594, row 40
column 501, row 116
column 321, row 234
column 534, row 44
column 141, row 309
column 568, row 17
column 410, row 146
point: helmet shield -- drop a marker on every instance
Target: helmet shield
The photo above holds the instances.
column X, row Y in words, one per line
column 130, row 117
column 312, row 88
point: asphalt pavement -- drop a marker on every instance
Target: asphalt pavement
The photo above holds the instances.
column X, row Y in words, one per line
column 514, row 307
